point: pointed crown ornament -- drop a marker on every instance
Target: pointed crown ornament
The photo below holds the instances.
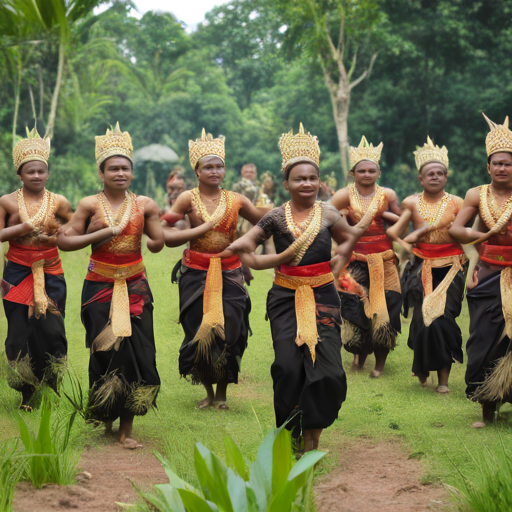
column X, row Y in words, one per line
column 32, row 148
column 365, row 151
column 302, row 147
column 206, row 146
column 429, row 154
column 499, row 139
column 113, row 143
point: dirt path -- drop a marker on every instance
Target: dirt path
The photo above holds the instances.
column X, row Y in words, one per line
column 381, row 478
column 111, row 468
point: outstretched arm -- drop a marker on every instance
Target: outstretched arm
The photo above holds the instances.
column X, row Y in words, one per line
column 346, row 237
column 250, row 212
column 72, row 236
column 174, row 237
column 397, row 230
column 468, row 211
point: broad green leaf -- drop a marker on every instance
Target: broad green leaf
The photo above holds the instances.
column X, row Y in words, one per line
column 235, row 459
column 281, row 460
column 174, row 480
column 171, row 496
column 193, row 503
column 282, row 501
column 213, row 476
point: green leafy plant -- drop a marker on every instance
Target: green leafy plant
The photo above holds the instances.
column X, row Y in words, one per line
column 51, row 459
column 10, row 474
column 490, row 490
column 273, row 482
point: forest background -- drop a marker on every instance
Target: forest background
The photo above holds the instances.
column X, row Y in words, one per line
column 393, row 70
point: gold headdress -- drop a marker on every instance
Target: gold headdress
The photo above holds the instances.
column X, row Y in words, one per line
column 113, row 143
column 31, row 148
column 499, row 138
column 206, row 146
column 365, row 151
column 430, row 153
column 302, row 147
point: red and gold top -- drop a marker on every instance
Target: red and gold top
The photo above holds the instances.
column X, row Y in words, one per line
column 123, row 250
column 225, row 218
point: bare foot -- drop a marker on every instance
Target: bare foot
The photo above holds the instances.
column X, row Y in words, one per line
column 375, row 374
column 108, row 429
column 442, row 390
column 204, row 403
column 478, row 424
column 221, row 405
column 130, row 444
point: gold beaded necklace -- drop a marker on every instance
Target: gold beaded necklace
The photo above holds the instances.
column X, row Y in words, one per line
column 367, row 206
column 305, row 232
column 38, row 219
column 495, row 217
column 119, row 220
column 432, row 213
column 217, row 216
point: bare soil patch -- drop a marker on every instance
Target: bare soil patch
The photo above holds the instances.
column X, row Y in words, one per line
column 111, row 468
column 378, row 476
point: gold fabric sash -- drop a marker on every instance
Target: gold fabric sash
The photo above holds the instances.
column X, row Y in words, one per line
column 506, row 299
column 212, row 323
column 434, row 302
column 376, row 308
column 119, row 319
column 40, row 297
column 305, row 305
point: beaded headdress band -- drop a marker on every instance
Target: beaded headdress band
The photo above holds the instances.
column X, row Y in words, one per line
column 365, row 151
column 499, row 139
column 113, row 143
column 302, row 147
column 429, row 154
column 32, row 148
column 206, row 146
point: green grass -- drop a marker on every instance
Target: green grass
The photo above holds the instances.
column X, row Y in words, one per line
column 434, row 428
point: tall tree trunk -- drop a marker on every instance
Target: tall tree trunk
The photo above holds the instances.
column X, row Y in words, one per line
column 56, row 91
column 17, row 92
column 341, row 120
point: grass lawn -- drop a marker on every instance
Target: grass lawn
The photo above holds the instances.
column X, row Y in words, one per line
column 432, row 427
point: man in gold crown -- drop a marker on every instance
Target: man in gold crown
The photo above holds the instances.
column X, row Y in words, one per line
column 489, row 370
column 117, row 309
column 211, row 287
column 370, row 288
column 33, row 285
column 434, row 285
column 303, row 305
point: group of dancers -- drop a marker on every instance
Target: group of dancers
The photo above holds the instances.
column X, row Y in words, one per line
column 322, row 296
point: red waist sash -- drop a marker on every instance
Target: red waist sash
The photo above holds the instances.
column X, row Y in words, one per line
column 318, row 269
column 434, row 251
column 201, row 260
column 373, row 244
column 26, row 256
column 496, row 254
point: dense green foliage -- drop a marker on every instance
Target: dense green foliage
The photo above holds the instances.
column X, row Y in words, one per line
column 252, row 71
column 273, row 482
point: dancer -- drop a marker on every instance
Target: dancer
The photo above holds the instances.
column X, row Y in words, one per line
column 211, row 288
column 33, row 285
column 303, row 305
column 489, row 370
column 117, row 309
column 434, row 284
column 370, row 288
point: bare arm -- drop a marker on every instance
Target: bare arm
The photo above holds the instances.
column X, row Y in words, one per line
column 468, row 211
column 152, row 227
column 64, row 212
column 393, row 205
column 346, row 236
column 264, row 261
column 174, row 237
column 249, row 212
column 340, row 200
column 72, row 236
column 398, row 229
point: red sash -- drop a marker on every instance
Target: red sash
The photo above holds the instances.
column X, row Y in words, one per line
column 435, row 251
column 201, row 260
column 318, row 269
column 496, row 254
column 26, row 256
column 373, row 244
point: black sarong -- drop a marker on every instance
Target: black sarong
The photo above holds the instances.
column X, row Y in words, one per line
column 486, row 343
column 438, row 345
column 352, row 310
column 315, row 391
column 225, row 355
column 32, row 345
column 126, row 379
